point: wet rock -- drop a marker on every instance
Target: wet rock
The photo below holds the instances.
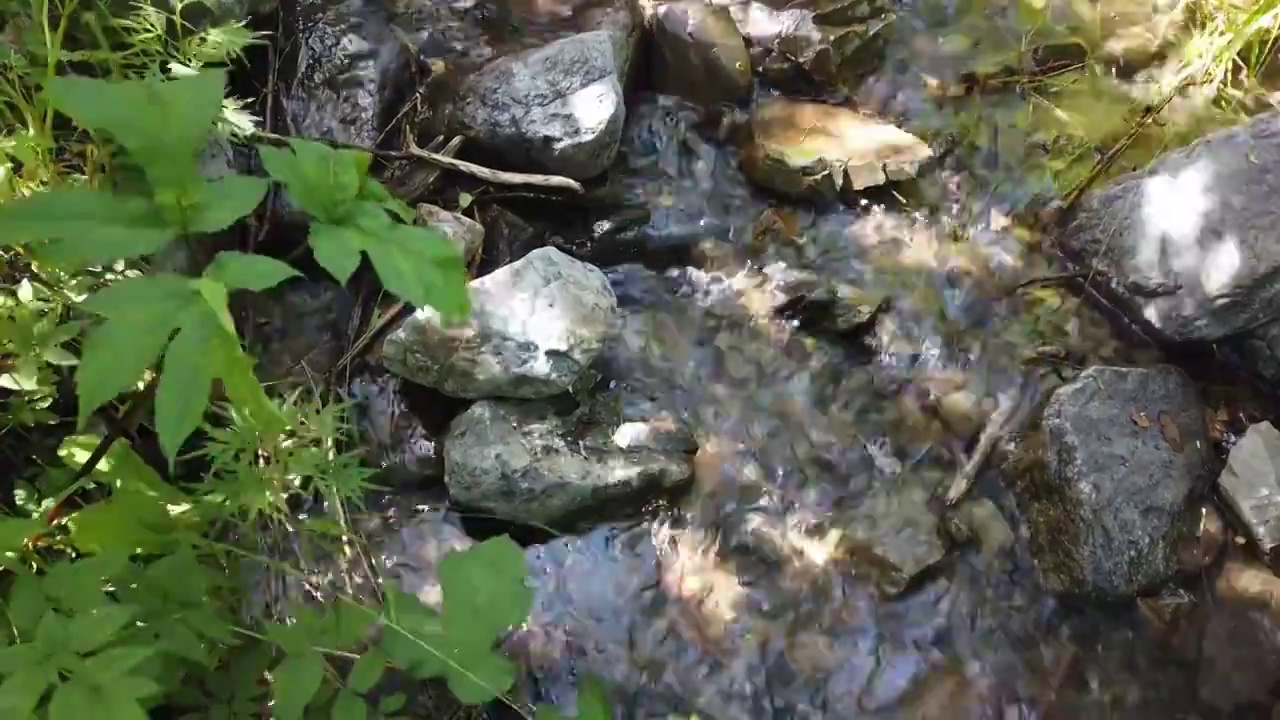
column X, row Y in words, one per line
column 1186, row 247
column 337, row 82
column 815, row 48
column 980, row 521
column 1251, row 483
column 297, row 331
column 525, row 462
column 507, row 237
column 402, row 426
column 534, row 326
column 805, row 149
column 556, row 109
column 699, row 54
column 1124, row 448
column 461, row 230
column 1240, row 646
column 411, row 555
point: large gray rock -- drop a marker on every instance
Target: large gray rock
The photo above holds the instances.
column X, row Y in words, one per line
column 535, row 325
column 1186, row 248
column 1124, row 448
column 524, row 462
column 557, row 108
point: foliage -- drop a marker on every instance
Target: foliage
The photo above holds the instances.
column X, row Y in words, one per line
column 124, row 582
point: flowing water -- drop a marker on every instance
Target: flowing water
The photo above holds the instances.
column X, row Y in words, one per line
column 807, row 574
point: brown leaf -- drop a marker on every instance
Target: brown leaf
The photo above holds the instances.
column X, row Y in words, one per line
column 1169, row 429
column 1140, row 419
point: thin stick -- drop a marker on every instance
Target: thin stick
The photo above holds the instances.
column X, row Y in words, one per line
column 498, row 177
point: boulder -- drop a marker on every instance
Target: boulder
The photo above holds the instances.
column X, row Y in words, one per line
column 523, row 461
column 535, row 325
column 1251, row 483
column 558, row 108
column 1186, row 248
column 1124, row 447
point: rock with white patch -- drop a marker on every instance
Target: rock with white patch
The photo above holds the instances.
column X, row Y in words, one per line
column 535, row 325
column 1251, row 483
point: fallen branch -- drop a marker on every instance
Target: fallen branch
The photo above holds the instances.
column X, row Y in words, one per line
column 499, row 177
column 997, row 426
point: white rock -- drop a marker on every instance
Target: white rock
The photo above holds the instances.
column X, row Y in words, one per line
column 535, row 325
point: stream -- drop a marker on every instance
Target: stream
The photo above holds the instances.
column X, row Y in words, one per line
column 738, row 372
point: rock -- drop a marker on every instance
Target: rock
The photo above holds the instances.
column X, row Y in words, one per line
column 807, row 149
column 535, row 325
column 1186, row 248
column 699, row 55
column 297, row 331
column 815, row 47
column 524, row 462
column 461, row 230
column 507, row 237
column 1124, row 447
column 411, row 555
column 556, row 109
column 1251, row 483
column 1240, row 646
column 337, row 89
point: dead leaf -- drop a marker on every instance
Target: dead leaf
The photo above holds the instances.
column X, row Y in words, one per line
column 1140, row 419
column 1169, row 429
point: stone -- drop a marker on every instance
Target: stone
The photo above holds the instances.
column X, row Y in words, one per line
column 814, row 150
column 535, row 325
column 1186, row 248
column 296, row 331
column 522, row 461
column 411, row 555
column 401, row 426
column 1251, row 483
column 1239, row 659
column 1124, row 447
column 557, row 109
column 699, row 55
column 462, row 231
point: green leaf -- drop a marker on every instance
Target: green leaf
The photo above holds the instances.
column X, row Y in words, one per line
column 163, row 124
column 223, row 201
column 321, row 180
column 593, row 701
column 479, row 676
column 21, row 691
column 349, row 706
column 336, row 248
column 182, row 394
column 391, row 703
column 421, row 267
column 547, row 712
column 376, row 192
column 367, row 670
column 216, row 298
column 15, row 658
column 92, row 630
column 413, row 637
column 86, row 227
column 117, row 661
column 26, row 604
column 484, row 591
column 117, row 352
column 79, row 698
column 245, row 271
column 15, row 532
column 140, row 295
column 294, row 682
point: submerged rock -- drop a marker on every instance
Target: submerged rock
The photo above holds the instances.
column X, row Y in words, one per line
column 297, row 331
column 402, row 426
column 1124, row 447
column 1186, row 248
column 813, row 150
column 699, row 54
column 1251, row 483
column 535, row 325
column 557, row 108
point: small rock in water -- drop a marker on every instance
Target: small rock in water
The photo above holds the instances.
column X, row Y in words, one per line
column 809, row 149
column 557, row 108
column 460, row 230
column 1110, row 512
column 1251, row 483
column 699, row 54
column 535, row 325
column 524, row 462
column 412, row 554
column 1240, row 646
column 402, row 426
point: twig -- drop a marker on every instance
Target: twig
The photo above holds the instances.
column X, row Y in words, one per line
column 997, row 426
column 500, row 177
